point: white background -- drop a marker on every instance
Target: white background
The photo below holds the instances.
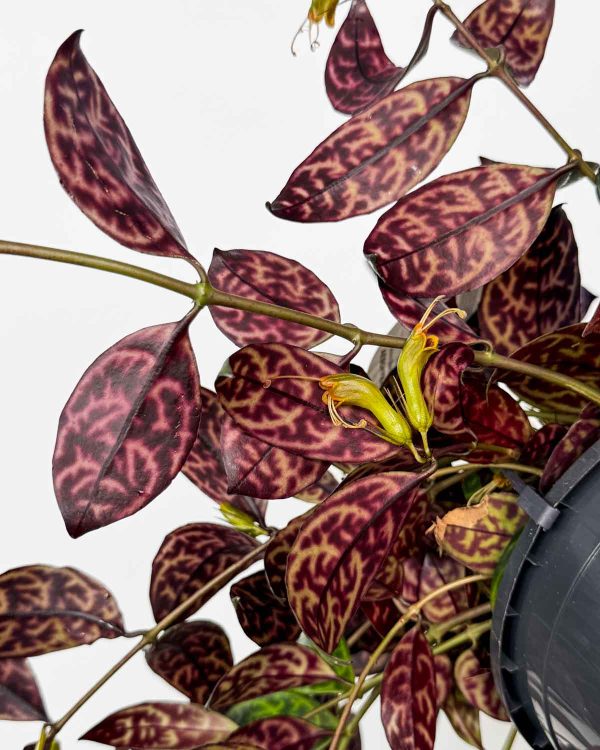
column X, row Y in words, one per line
column 222, row 114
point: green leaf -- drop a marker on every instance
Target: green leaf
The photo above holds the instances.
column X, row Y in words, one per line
column 284, row 703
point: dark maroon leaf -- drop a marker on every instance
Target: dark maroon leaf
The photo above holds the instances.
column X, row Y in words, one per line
column 580, row 436
column 442, row 388
column 263, row 618
column 542, row 443
column 438, row 570
column 20, row 698
column 443, row 678
column 44, row 609
column 279, row 733
column 464, row 719
column 473, row 676
column 192, row 657
column 320, row 490
column 127, row 428
column 277, row 553
column 190, row 557
column 383, row 614
column 97, row 161
column 411, row 570
column 267, row 277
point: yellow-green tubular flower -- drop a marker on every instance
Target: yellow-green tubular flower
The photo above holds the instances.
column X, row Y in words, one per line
column 320, row 9
column 418, row 348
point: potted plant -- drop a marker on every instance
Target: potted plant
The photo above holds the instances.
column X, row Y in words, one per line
column 418, row 475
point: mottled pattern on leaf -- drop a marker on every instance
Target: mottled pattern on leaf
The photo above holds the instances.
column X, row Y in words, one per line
column 192, row 657
column 408, row 694
column 273, row 668
column 258, row 469
column 464, row 719
column 340, row 548
column 522, row 27
column 319, row 490
column 593, row 325
column 443, row 678
column 473, row 676
column 279, row 733
column 190, row 557
column 542, row 443
column 442, row 387
column 377, row 155
column 421, row 249
column 263, row 618
column 411, row 569
column 267, row 277
column 538, row 294
column 20, row 698
column 161, row 726
column 97, row 160
column 437, row 571
column 276, row 555
column 290, row 413
column 580, row 436
column 127, row 428
column 44, row 609
column 383, row 614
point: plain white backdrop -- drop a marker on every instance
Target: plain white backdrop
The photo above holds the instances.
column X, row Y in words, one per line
column 222, row 113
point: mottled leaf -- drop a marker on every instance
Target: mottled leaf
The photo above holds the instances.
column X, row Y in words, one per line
column 408, row 694
column 127, row 428
column 44, row 609
column 263, row 618
column 277, row 553
column 522, row 27
column 477, row 536
column 161, row 726
column 294, row 702
column 192, row 657
column 258, row 469
column 580, row 436
column 566, row 352
column 383, row 614
column 267, row 277
column 190, row 557
column 411, row 570
column 542, row 443
column 340, row 548
column 593, row 325
column 464, row 719
column 474, row 679
column 442, row 387
column 437, row 571
column 289, row 412
column 378, row 155
column 20, row 698
column 319, row 490
column 423, row 250
column 273, row 668
column 538, row 294
column 443, row 678
column 97, row 161
column 279, row 733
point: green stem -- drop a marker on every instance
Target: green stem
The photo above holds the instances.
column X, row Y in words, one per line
column 356, row 719
column 448, row 470
column 499, row 70
column 195, row 600
column 437, row 632
column 470, row 635
column 510, row 738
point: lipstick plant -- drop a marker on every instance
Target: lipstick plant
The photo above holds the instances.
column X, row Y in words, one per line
column 384, row 585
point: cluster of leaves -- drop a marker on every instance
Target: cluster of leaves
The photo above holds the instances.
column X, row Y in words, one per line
column 383, row 530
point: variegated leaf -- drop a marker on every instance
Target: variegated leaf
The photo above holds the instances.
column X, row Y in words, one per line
column 258, row 469
column 437, row 571
column 192, row 657
column 442, row 387
column 522, row 27
column 477, row 536
column 20, row 698
column 580, row 436
column 340, row 548
column 294, row 702
column 593, row 325
column 378, row 155
column 204, row 464
column 277, row 553
column 411, row 570
column 538, row 294
column 161, row 726
column 474, row 679
column 566, row 352
column 190, row 557
column 289, row 412
column 464, row 719
column 421, row 249
column 263, row 617
column 540, row 446
column 279, row 733
column 408, row 694
column 273, row 668
column 127, row 428
column 267, row 277
column 383, row 614
column 443, row 678
column 44, row 609
column 97, row 160
column 319, row 490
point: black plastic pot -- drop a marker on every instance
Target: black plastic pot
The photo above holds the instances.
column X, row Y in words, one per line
column 546, row 625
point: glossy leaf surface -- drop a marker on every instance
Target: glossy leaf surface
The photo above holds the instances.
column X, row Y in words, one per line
column 289, row 413
column 423, row 250
column 464, row 719
column 273, row 668
column 161, row 726
column 436, row 571
column 542, row 443
column 408, row 694
column 443, row 678
column 190, row 557
column 20, row 698
column 97, row 160
column 44, row 609
column 378, row 155
column 267, row 277
column 127, row 428
column 475, row 681
column 580, row 436
column 277, row 553
column 293, row 702
column 538, row 294
column 319, row 490
column 279, row 733
column 340, row 548
column 192, row 657
column 442, row 387
column 522, row 27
